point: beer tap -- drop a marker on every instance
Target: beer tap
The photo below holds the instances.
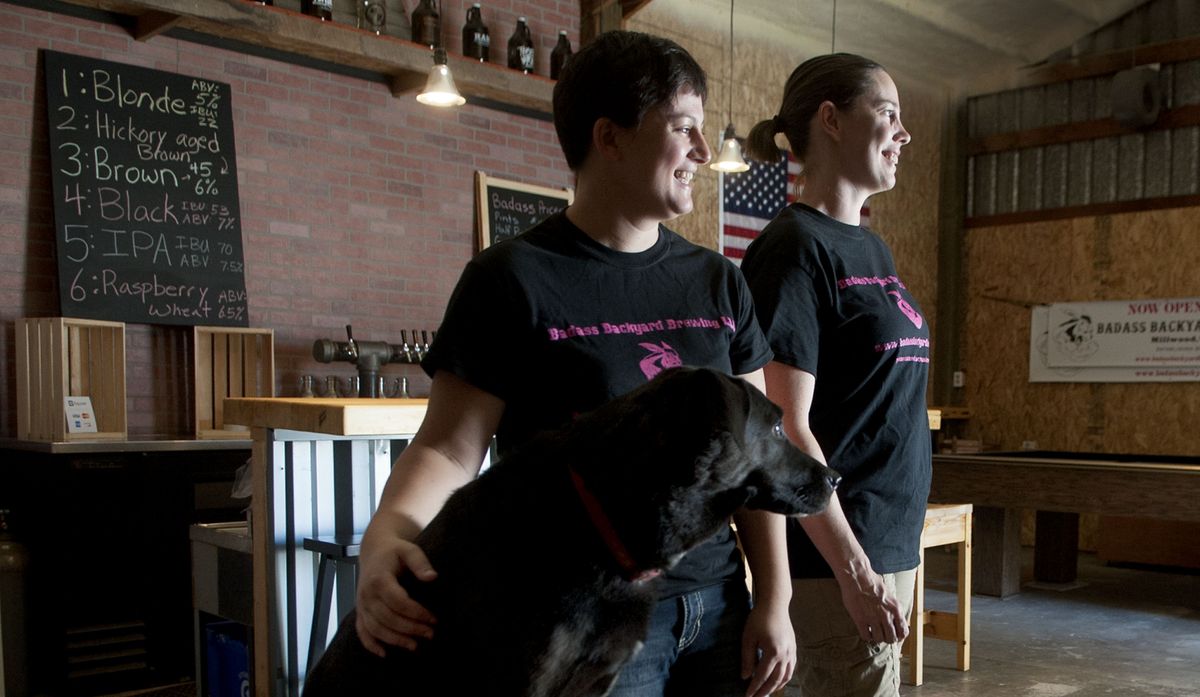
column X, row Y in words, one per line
column 352, row 351
column 404, row 347
column 418, row 348
column 367, row 356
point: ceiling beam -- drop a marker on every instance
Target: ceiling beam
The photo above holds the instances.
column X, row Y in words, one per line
column 1174, row 51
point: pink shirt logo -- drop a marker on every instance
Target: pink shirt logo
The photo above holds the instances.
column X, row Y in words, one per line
column 907, row 309
column 661, row 357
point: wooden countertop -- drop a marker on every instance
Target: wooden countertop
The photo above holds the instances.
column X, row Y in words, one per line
column 137, row 445
column 356, row 416
column 1146, row 489
column 359, row 416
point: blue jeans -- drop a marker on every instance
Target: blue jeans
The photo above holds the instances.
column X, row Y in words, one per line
column 693, row 646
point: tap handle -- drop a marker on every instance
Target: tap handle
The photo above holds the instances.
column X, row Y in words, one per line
column 405, row 347
column 353, row 348
column 418, row 349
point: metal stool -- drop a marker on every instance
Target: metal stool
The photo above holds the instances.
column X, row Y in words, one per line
column 333, row 551
column 944, row 524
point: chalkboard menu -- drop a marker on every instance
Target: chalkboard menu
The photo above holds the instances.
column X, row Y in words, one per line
column 146, row 211
column 506, row 208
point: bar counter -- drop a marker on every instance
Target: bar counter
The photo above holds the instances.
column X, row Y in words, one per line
column 319, row 466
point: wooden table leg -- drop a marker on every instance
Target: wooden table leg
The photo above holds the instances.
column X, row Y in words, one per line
column 1056, row 552
column 997, row 551
column 914, row 645
column 963, row 634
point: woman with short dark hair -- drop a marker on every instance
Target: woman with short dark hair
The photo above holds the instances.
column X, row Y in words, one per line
column 581, row 308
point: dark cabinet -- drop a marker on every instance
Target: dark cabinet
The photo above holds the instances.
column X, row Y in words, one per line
column 108, row 573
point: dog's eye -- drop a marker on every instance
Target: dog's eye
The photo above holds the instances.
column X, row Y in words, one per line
column 779, row 430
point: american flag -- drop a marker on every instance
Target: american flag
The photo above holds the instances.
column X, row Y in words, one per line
column 751, row 199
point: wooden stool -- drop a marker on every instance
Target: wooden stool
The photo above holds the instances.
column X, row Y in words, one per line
column 944, row 524
column 332, row 550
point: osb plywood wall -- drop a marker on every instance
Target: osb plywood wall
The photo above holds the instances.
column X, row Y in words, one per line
column 907, row 216
column 1120, row 257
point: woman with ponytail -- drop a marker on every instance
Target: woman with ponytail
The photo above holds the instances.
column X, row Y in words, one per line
column 850, row 369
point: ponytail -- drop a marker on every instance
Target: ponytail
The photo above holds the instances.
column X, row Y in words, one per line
column 760, row 144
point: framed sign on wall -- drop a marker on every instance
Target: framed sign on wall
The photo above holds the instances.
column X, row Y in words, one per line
column 506, row 208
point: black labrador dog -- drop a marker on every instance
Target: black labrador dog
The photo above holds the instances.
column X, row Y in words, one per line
column 543, row 562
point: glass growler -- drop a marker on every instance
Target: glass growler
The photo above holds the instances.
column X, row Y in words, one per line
column 560, row 54
column 372, row 15
column 520, row 47
column 427, row 24
column 321, row 9
column 475, row 38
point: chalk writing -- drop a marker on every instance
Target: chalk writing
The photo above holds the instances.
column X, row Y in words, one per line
column 509, row 208
column 146, row 206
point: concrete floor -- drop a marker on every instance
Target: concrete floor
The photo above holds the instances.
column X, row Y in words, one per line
column 1117, row 632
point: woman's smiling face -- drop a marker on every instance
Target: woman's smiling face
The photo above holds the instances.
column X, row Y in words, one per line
column 663, row 154
column 870, row 148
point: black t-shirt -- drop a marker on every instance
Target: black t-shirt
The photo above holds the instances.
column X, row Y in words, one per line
column 555, row 324
column 832, row 305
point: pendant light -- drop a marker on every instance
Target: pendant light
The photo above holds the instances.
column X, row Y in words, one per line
column 729, row 158
column 439, row 89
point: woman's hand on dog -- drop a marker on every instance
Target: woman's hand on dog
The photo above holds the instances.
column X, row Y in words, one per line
column 386, row 615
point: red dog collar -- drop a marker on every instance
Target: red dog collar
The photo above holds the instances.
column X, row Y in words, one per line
column 609, row 534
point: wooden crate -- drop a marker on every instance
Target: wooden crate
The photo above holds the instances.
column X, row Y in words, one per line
column 229, row 362
column 58, row 357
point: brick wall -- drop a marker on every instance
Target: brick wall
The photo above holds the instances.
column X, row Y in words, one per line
column 357, row 207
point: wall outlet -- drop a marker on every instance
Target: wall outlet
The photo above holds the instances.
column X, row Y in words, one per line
column 958, row 379
column 1029, row 445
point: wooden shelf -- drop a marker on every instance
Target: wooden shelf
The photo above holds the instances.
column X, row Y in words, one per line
column 406, row 64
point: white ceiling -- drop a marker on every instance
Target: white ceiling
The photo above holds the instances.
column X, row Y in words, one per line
column 965, row 46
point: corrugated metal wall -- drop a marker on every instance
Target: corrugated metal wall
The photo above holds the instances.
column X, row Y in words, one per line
column 1147, row 164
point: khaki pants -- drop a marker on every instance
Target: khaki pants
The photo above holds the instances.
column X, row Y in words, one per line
column 832, row 661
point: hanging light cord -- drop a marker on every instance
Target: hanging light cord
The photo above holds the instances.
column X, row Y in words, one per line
column 730, row 88
column 833, row 30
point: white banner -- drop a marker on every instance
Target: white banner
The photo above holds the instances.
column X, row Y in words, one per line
column 1162, row 333
column 1044, row 334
